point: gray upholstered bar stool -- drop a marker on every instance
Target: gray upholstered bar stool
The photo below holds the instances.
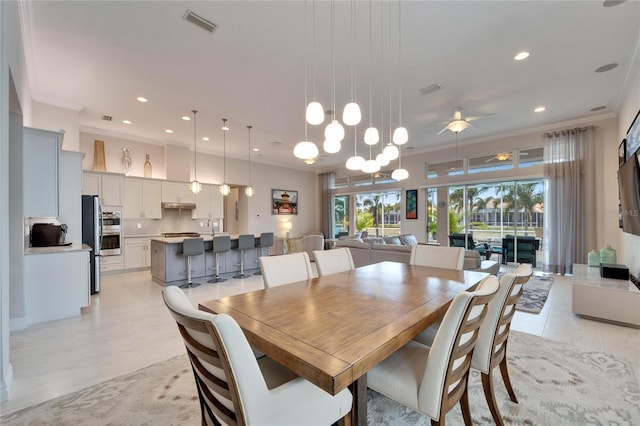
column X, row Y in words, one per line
column 245, row 242
column 266, row 241
column 191, row 247
column 221, row 244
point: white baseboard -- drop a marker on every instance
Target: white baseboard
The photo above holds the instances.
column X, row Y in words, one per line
column 17, row 323
column 5, row 385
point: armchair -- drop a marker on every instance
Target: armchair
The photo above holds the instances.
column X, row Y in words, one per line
column 458, row 240
column 526, row 248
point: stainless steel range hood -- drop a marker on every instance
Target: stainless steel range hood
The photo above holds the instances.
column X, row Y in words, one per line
column 179, row 206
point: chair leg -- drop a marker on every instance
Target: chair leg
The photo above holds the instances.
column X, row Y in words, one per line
column 464, row 405
column 505, row 378
column 189, row 283
column 217, row 278
column 437, row 423
column 241, row 274
column 487, row 385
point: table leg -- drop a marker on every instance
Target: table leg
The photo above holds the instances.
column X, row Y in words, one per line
column 358, row 413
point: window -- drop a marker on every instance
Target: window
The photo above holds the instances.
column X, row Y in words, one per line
column 342, row 182
column 489, row 163
column 378, row 213
column 340, row 215
column 531, row 157
column 447, row 168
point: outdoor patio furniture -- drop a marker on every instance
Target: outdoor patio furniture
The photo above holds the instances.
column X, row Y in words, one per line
column 458, row 240
column 526, row 249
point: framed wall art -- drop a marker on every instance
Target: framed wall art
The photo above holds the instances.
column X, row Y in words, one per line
column 284, row 201
column 412, row 203
column 622, row 152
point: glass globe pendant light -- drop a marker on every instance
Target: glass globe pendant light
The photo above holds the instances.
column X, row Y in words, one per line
column 371, row 136
column 225, row 189
column 315, row 112
column 400, row 134
column 195, row 185
column 331, row 146
column 355, row 162
column 248, row 190
column 351, row 115
column 399, row 173
column 334, row 131
column 391, row 151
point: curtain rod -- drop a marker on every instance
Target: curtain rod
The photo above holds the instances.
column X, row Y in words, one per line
column 562, row 132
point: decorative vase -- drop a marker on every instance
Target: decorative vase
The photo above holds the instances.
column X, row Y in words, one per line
column 126, row 162
column 99, row 163
column 608, row 255
column 147, row 167
column 593, row 258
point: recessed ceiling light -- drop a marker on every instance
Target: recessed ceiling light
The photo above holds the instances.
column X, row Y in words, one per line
column 540, row 109
column 598, row 108
column 607, row 67
column 186, row 118
column 169, row 131
column 126, row 121
column 256, row 149
column 205, row 138
column 142, row 99
column 520, row 56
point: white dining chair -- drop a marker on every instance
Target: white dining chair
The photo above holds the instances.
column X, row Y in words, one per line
column 437, row 257
column 432, row 380
column 491, row 347
column 333, row 261
column 285, row 269
column 236, row 389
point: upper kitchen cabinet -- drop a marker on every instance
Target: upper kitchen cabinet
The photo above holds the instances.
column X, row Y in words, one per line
column 70, row 210
column 209, row 203
column 177, row 192
column 41, row 162
column 142, row 199
column 107, row 186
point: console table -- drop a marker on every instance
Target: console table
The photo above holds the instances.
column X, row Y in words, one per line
column 604, row 298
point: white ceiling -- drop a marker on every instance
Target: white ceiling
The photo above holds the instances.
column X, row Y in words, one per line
column 97, row 57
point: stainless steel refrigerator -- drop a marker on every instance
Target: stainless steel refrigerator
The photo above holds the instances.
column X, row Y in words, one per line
column 91, row 235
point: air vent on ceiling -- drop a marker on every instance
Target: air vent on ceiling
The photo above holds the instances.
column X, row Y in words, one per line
column 107, row 117
column 199, row 21
column 430, row 89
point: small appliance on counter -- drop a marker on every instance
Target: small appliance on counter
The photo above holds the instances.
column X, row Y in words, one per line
column 48, row 235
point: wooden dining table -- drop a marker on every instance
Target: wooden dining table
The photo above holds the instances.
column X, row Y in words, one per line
column 331, row 330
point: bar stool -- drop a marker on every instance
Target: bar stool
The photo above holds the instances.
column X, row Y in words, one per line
column 245, row 242
column 191, row 247
column 266, row 241
column 221, row 244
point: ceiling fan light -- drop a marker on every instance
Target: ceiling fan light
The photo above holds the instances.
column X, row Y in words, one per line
column 305, row 150
column 355, row 163
column 370, row 166
column 315, row 113
column 351, row 114
column 400, row 174
column 331, row 146
column 456, row 126
column 334, row 131
column 400, row 136
column 249, row 191
column 382, row 159
column 371, row 136
column 225, row 189
column 391, row 151
column 502, row 156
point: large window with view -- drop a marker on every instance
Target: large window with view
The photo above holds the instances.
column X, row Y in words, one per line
column 340, row 216
column 378, row 213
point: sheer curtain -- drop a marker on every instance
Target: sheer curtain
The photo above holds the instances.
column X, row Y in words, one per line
column 570, row 223
column 327, row 180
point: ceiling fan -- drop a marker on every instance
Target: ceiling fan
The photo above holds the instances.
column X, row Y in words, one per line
column 459, row 123
column 504, row 156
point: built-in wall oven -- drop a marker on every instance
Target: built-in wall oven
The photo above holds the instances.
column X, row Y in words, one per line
column 111, row 238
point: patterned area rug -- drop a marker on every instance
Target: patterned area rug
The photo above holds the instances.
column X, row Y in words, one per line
column 534, row 294
column 556, row 384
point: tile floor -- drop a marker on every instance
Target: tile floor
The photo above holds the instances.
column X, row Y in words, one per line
column 127, row 328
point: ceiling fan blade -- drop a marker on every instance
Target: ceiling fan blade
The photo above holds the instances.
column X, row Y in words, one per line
column 478, row 117
column 441, row 131
column 491, row 159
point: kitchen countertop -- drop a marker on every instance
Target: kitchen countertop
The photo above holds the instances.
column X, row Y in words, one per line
column 57, row 249
column 179, row 240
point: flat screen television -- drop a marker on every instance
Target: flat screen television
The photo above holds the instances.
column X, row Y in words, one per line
column 629, row 186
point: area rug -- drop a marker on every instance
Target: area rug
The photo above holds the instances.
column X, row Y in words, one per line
column 534, row 294
column 556, row 384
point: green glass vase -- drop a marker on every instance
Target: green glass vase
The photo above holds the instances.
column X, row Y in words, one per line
column 608, row 255
column 593, row 258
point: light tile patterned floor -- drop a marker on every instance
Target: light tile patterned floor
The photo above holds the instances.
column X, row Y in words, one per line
column 127, row 327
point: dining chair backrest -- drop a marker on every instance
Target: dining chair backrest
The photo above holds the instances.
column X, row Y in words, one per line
column 333, row 261
column 437, row 257
column 445, row 376
column 285, row 269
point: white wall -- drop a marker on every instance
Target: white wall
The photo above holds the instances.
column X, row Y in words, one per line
column 49, row 117
column 630, row 244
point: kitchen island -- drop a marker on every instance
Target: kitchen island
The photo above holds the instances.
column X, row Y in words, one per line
column 169, row 266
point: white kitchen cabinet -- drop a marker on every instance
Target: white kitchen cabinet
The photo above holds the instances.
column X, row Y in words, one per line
column 41, row 157
column 177, row 192
column 142, row 199
column 137, row 252
column 108, row 187
column 209, row 203
column 111, row 263
column 70, row 196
